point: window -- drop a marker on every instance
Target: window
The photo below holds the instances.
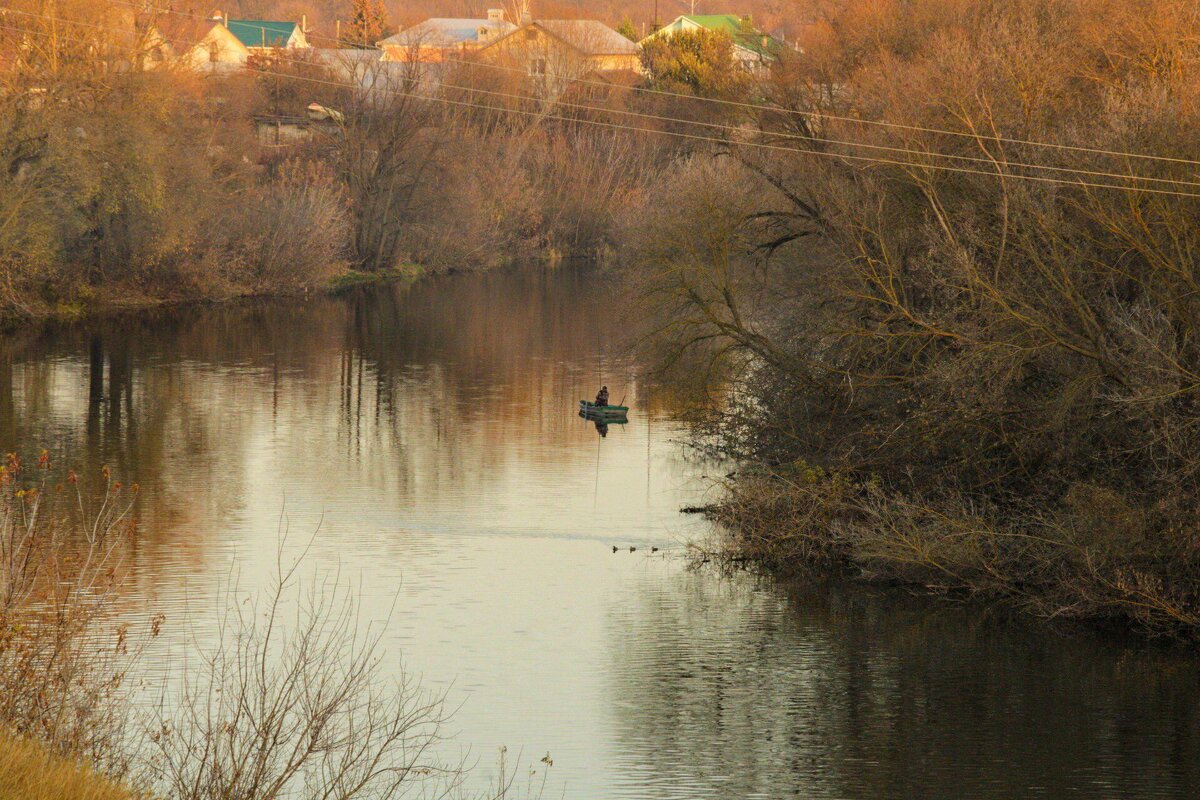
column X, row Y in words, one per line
column 214, row 52
column 530, row 34
column 537, row 67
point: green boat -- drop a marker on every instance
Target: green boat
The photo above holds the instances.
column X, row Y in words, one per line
column 593, row 411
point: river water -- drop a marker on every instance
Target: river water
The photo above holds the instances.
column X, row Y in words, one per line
column 425, row 438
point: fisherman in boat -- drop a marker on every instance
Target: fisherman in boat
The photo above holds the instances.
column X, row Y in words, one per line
column 602, row 397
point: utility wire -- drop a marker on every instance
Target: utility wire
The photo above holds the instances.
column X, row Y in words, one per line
column 759, row 145
column 903, row 151
column 818, row 115
column 711, row 139
column 821, row 139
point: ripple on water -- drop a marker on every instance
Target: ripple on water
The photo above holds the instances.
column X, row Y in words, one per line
column 428, row 435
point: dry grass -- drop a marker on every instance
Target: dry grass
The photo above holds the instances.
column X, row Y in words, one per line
column 1092, row 560
column 29, row 772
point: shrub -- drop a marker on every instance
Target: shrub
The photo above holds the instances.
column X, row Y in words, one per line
column 1009, row 361
column 62, row 667
column 288, row 233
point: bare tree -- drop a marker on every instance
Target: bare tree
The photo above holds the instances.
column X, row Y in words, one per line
column 391, row 138
column 63, row 665
column 294, row 703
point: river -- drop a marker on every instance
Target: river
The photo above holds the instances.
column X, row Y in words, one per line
column 425, row 439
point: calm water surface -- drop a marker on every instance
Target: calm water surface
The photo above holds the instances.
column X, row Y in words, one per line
column 428, row 434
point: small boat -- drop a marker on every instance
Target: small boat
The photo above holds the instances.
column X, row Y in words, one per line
column 592, row 411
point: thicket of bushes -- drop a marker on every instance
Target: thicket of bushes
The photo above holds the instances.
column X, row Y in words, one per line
column 969, row 381
column 124, row 184
column 121, row 184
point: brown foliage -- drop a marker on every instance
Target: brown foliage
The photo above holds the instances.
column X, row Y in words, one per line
column 1003, row 357
column 288, row 233
column 62, row 667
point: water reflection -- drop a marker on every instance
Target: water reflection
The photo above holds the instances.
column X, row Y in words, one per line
column 742, row 690
column 431, row 431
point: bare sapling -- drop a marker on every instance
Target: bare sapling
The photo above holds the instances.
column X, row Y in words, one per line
column 296, row 700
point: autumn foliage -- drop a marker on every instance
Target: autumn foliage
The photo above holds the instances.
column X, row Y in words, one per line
column 956, row 292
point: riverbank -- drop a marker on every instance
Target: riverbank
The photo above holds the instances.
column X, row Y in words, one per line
column 146, row 188
column 91, row 302
column 29, row 772
column 372, row 417
column 1111, row 569
column 977, row 380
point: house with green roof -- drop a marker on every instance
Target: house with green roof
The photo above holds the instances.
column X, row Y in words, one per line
column 263, row 34
column 753, row 49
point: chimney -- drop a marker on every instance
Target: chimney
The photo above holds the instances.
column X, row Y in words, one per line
column 495, row 15
column 304, row 24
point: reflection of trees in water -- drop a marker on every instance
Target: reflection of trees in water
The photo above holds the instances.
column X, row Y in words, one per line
column 846, row 694
column 488, row 331
column 7, row 401
column 691, row 699
column 460, row 374
column 437, row 384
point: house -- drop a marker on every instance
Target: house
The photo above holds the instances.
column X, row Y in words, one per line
column 755, row 51
column 198, row 45
column 364, row 69
column 216, row 44
column 344, row 63
column 554, row 52
column 261, row 34
column 445, row 39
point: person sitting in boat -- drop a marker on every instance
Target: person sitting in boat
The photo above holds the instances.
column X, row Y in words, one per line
column 602, row 397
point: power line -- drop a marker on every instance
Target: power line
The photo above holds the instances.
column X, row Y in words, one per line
column 759, row 145
column 736, row 129
column 710, row 139
column 830, row 141
column 819, row 115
